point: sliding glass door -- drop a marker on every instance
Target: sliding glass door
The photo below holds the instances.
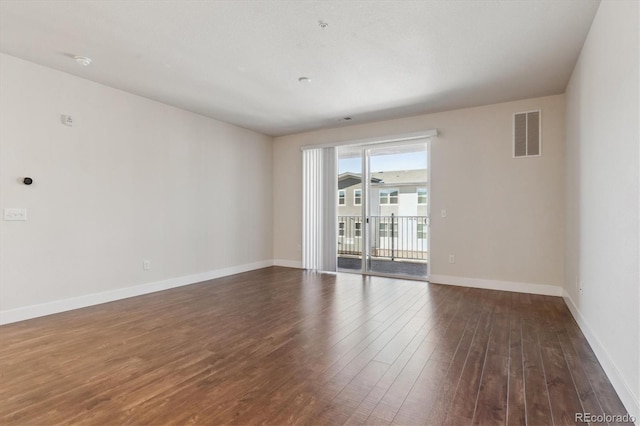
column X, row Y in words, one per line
column 383, row 209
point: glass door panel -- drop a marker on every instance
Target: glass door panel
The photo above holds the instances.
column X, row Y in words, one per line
column 397, row 210
column 383, row 209
column 350, row 207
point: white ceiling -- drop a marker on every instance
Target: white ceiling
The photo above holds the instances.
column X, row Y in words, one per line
column 239, row 61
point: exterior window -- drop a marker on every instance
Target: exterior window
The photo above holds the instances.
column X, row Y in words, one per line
column 357, row 197
column 341, row 197
column 341, row 229
column 388, row 196
column 422, row 195
column 422, row 231
column 385, row 230
column 358, row 229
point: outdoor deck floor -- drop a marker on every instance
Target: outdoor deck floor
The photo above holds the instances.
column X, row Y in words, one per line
column 385, row 266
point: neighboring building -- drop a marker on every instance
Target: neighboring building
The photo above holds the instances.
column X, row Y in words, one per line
column 398, row 213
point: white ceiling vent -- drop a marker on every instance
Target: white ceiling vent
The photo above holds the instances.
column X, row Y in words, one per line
column 527, row 128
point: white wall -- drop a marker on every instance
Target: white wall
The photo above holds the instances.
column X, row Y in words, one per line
column 505, row 216
column 133, row 179
column 602, row 194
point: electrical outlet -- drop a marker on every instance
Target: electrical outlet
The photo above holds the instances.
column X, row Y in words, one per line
column 452, row 258
column 146, row 265
column 443, row 213
column 579, row 284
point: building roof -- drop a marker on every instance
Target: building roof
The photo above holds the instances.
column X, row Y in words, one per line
column 348, row 179
column 395, row 177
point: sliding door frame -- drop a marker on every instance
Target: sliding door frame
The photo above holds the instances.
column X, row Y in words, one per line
column 366, row 213
column 395, row 140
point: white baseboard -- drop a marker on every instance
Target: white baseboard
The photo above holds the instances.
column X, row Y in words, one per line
column 33, row 311
column 544, row 289
column 621, row 386
column 287, row 263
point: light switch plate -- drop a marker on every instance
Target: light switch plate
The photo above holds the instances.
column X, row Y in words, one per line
column 15, row 214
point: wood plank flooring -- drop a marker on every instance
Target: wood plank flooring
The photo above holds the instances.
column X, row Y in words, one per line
column 284, row 346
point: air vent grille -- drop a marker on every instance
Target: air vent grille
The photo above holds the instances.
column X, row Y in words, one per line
column 526, row 134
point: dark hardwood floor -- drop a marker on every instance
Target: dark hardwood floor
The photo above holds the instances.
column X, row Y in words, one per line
column 280, row 346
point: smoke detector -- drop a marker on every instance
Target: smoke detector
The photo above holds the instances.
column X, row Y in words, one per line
column 82, row 60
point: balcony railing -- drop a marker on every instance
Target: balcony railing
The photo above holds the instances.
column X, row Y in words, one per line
column 392, row 237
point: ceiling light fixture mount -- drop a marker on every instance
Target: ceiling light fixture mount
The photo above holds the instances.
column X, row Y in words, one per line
column 322, row 24
column 82, row 60
column 304, row 80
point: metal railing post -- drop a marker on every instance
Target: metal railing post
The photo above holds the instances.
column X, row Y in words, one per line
column 392, row 237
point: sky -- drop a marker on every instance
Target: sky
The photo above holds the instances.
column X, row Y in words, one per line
column 383, row 163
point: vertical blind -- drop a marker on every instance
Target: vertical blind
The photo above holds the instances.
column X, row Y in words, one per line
column 320, row 182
